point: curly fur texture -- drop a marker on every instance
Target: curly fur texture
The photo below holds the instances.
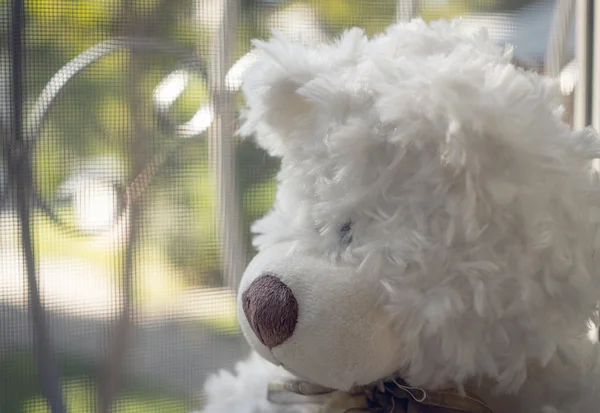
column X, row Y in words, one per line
column 473, row 206
column 246, row 390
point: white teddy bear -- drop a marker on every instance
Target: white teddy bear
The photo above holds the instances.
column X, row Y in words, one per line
column 432, row 244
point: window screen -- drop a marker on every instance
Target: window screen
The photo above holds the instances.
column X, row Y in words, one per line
column 125, row 196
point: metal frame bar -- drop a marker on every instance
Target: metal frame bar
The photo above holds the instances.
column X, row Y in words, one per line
column 596, row 69
column 406, row 9
column 19, row 170
column 222, row 149
column 559, row 34
column 583, row 55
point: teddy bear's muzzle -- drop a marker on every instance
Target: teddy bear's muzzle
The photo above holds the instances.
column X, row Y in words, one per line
column 271, row 310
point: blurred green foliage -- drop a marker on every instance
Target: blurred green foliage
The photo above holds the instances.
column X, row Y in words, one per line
column 374, row 16
column 21, row 390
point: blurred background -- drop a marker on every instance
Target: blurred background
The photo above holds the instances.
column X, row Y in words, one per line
column 126, row 198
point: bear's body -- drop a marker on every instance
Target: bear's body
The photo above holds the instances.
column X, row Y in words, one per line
column 435, row 222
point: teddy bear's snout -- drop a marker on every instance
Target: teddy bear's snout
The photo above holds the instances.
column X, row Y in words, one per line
column 271, row 310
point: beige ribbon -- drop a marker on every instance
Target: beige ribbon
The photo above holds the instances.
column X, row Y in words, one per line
column 329, row 400
column 385, row 397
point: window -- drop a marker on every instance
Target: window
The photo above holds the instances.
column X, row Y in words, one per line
column 126, row 198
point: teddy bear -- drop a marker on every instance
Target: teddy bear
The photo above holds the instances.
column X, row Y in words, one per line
column 432, row 244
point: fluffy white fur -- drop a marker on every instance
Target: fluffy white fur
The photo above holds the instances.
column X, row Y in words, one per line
column 246, row 391
column 474, row 217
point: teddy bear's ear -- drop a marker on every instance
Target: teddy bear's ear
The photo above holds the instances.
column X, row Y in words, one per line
column 275, row 108
column 292, row 90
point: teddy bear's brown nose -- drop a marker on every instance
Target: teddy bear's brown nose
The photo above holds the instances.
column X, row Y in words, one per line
column 271, row 310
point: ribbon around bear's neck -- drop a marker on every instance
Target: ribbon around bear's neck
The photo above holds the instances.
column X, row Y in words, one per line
column 392, row 396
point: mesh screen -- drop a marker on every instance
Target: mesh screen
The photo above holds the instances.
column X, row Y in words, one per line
column 126, row 198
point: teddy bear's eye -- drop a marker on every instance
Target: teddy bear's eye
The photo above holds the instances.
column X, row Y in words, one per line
column 345, row 235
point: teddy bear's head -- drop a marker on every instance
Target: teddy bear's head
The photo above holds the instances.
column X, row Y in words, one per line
column 434, row 218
